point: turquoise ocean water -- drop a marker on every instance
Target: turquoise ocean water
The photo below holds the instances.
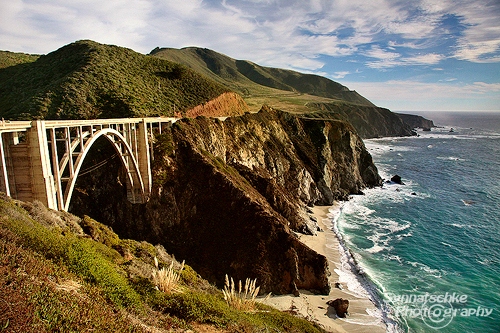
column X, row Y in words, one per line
column 428, row 252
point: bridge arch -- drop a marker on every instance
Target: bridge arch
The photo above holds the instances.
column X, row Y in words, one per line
column 135, row 185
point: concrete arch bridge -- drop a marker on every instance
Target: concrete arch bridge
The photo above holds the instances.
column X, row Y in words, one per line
column 41, row 159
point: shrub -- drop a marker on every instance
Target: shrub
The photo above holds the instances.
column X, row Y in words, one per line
column 167, row 279
column 198, row 307
column 244, row 299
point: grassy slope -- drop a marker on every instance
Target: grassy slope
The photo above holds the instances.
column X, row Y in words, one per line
column 59, row 273
column 282, row 89
column 91, row 80
column 8, row 58
column 305, row 94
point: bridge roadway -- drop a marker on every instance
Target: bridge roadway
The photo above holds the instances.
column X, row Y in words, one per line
column 41, row 159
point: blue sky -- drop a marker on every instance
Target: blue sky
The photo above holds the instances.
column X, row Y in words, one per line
column 410, row 55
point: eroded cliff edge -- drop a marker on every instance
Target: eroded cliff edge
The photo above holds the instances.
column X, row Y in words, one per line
column 228, row 196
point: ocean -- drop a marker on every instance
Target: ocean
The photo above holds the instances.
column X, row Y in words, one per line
column 428, row 252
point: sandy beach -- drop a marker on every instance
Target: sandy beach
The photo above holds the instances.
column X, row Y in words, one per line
column 314, row 307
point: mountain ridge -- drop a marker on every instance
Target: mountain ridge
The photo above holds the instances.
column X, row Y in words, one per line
column 304, row 94
column 233, row 72
column 89, row 80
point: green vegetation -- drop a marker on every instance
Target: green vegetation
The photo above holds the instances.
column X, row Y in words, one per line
column 8, row 59
column 58, row 276
column 282, row 89
column 88, row 80
column 167, row 279
column 82, row 256
column 241, row 298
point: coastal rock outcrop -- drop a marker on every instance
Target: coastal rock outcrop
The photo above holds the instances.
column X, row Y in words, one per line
column 229, row 196
column 415, row 121
column 340, row 305
column 397, row 179
column 369, row 121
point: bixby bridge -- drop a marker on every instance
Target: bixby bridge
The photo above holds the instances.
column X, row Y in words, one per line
column 41, row 159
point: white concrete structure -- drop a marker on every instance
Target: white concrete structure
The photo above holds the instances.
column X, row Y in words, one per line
column 41, row 159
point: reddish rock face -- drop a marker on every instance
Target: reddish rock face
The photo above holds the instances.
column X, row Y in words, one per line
column 228, row 104
column 228, row 196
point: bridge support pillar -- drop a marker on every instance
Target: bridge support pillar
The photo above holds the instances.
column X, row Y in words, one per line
column 3, row 161
column 42, row 180
column 144, row 157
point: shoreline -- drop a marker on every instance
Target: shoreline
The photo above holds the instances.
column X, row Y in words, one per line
column 362, row 312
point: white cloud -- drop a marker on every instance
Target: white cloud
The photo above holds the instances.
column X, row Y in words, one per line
column 416, row 95
column 388, row 59
column 424, row 59
column 377, row 52
column 482, row 87
column 45, row 25
column 480, row 40
column 340, row 75
column 257, row 29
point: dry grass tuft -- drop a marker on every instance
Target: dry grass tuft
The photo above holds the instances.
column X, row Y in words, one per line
column 167, row 279
column 244, row 298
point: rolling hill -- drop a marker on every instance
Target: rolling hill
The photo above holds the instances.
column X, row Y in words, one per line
column 88, row 80
column 312, row 96
column 254, row 81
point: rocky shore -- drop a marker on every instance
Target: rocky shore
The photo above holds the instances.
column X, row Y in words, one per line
column 361, row 312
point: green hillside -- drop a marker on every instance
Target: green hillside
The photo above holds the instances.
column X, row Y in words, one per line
column 62, row 273
column 312, row 96
column 8, row 58
column 259, row 85
column 89, row 80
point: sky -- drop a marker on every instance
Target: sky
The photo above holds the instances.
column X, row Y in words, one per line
column 410, row 55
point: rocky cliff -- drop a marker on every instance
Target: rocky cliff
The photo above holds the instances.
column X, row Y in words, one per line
column 369, row 121
column 415, row 121
column 228, row 196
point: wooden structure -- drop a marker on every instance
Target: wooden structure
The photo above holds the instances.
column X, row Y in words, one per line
column 41, row 159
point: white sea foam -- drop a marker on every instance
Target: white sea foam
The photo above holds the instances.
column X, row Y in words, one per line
column 393, row 257
column 377, row 248
column 457, row 225
column 450, row 158
column 484, row 262
column 353, row 275
column 431, row 271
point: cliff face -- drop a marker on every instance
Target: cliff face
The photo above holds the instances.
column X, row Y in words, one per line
column 415, row 121
column 229, row 195
column 369, row 121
